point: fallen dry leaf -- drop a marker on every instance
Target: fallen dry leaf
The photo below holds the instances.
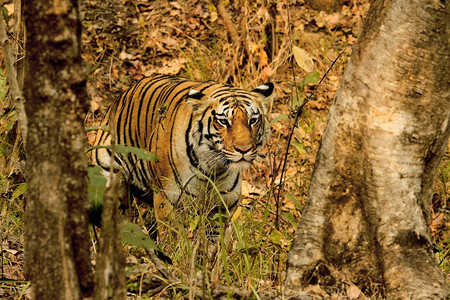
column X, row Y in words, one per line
column 316, row 290
column 437, row 223
column 263, row 58
column 266, row 73
column 253, row 47
column 124, row 55
column 303, row 59
column 353, row 292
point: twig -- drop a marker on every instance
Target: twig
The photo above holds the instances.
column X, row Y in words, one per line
column 16, row 94
column 230, row 26
column 298, row 112
column 227, row 20
column 277, row 198
column 157, row 290
column 192, row 279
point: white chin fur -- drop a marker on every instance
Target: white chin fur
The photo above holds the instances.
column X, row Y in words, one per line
column 241, row 165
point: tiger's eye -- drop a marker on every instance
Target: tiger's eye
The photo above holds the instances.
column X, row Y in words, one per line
column 253, row 120
column 223, row 122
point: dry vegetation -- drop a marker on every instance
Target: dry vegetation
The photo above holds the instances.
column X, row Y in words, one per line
column 125, row 40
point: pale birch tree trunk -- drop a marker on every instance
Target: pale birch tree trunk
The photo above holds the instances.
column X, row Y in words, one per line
column 57, row 253
column 368, row 210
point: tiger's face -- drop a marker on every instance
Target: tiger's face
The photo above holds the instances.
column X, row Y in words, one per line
column 230, row 127
column 241, row 131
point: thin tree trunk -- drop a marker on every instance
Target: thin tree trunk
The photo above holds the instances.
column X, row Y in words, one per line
column 367, row 215
column 110, row 281
column 9, row 53
column 56, row 225
column 19, row 33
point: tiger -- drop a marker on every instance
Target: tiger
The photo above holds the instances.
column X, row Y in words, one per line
column 201, row 132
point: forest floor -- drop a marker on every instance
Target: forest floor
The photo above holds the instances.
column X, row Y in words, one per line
column 125, row 40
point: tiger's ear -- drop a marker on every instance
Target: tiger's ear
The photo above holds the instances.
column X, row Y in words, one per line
column 194, row 98
column 194, row 94
column 266, row 93
column 266, row 90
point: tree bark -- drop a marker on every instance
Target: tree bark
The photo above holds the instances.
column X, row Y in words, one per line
column 56, row 235
column 367, row 214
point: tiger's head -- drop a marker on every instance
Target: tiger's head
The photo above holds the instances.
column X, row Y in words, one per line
column 229, row 126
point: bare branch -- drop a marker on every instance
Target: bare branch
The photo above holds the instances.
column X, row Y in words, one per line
column 16, row 94
column 227, row 21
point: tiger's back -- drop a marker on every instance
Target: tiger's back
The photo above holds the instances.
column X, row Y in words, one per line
column 201, row 132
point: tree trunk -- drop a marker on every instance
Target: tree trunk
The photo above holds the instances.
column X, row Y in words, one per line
column 110, row 281
column 367, row 214
column 56, row 234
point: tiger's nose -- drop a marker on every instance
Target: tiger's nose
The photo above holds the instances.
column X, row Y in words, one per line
column 242, row 149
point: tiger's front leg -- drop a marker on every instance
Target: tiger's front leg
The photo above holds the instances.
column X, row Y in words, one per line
column 164, row 215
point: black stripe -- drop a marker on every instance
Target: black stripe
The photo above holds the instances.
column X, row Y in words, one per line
column 126, row 104
column 127, row 123
column 238, row 96
column 207, row 84
column 152, row 167
column 139, row 171
column 143, row 172
column 122, row 165
column 193, row 160
column 142, row 97
column 203, row 115
column 150, row 119
column 176, row 106
column 175, row 171
column 209, row 135
column 181, row 93
column 234, row 204
column 223, row 90
column 116, row 120
column 236, row 180
column 165, row 94
column 222, row 99
column 200, row 130
column 206, row 174
column 170, row 158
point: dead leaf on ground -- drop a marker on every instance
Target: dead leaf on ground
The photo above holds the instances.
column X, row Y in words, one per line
column 316, row 290
column 263, row 58
column 250, row 190
column 172, row 66
column 303, row 59
column 328, row 20
column 124, row 55
column 319, row 105
column 353, row 292
column 266, row 73
column 437, row 223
